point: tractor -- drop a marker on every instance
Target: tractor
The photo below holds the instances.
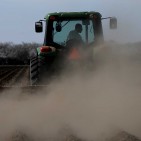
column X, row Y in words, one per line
column 63, row 45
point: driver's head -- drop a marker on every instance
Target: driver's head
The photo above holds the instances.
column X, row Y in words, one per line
column 78, row 28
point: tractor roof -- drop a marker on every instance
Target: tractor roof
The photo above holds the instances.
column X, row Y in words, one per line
column 73, row 14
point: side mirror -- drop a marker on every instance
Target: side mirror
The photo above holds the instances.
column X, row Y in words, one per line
column 38, row 27
column 113, row 23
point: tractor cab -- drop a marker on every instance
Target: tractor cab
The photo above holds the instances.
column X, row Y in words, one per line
column 60, row 25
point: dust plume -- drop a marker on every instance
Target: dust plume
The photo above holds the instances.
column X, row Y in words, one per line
column 91, row 104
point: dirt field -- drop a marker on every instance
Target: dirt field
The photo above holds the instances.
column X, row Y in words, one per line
column 103, row 104
column 14, row 75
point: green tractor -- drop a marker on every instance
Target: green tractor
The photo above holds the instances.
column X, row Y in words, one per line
column 69, row 37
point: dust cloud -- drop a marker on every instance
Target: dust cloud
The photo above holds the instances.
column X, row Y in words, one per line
column 89, row 104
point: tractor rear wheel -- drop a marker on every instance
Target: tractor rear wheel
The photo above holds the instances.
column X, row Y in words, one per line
column 34, row 71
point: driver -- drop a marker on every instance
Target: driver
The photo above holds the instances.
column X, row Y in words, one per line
column 74, row 34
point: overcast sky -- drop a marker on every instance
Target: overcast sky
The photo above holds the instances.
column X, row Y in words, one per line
column 17, row 17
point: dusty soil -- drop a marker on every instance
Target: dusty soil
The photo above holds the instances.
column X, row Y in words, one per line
column 14, row 75
column 87, row 102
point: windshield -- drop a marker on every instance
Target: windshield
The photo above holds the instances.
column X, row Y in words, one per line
column 68, row 30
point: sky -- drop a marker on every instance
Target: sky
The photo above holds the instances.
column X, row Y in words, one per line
column 17, row 17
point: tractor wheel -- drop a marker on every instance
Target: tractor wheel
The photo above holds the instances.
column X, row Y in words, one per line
column 34, row 71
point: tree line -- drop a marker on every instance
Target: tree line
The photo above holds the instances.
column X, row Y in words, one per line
column 16, row 54
column 19, row 54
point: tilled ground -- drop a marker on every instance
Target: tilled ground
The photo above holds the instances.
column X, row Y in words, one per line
column 14, row 75
column 122, row 136
column 18, row 76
